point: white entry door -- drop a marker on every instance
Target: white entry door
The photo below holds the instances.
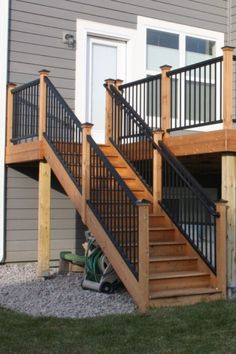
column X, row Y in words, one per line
column 107, row 59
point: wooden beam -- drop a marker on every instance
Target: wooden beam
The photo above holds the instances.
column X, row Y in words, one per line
column 143, row 214
column 108, row 112
column 18, row 153
column 10, row 87
column 86, row 127
column 44, row 219
column 165, row 97
column 157, row 173
column 227, row 86
column 228, row 192
column 221, row 245
column 42, row 102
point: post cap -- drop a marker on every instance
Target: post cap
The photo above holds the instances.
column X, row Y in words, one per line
column 166, row 67
column 228, row 48
column 118, row 82
column 87, row 125
column 142, row 202
column 44, row 72
column 221, row 201
column 11, row 84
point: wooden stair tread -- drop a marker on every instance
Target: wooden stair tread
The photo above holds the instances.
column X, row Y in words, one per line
column 183, row 292
column 166, row 243
column 180, row 274
column 160, row 228
column 171, row 258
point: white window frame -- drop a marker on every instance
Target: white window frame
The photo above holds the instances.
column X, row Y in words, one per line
column 145, row 23
column 84, row 30
column 4, row 18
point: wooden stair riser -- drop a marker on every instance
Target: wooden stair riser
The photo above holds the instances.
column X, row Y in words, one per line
column 184, row 300
column 172, row 266
column 158, row 220
column 167, row 250
column 162, row 235
column 179, row 283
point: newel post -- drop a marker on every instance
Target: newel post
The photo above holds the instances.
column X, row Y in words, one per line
column 42, row 102
column 108, row 111
column 86, row 131
column 227, row 86
column 10, row 87
column 165, row 97
column 143, row 242
column 157, row 173
column 221, row 246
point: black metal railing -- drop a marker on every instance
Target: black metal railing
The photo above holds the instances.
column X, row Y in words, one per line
column 144, row 96
column 132, row 136
column 188, row 206
column 196, row 93
column 25, row 123
column 115, row 206
column 64, row 133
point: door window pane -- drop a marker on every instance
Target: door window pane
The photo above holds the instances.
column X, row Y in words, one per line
column 198, row 49
column 162, row 48
column 104, row 65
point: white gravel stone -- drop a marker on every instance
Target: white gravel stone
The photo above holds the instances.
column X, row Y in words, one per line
column 59, row 296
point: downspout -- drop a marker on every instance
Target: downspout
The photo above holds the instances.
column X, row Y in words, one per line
column 4, row 26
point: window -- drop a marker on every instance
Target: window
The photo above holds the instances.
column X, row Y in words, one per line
column 198, row 49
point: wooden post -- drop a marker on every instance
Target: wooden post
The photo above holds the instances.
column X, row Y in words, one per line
column 44, row 218
column 165, row 97
column 228, row 192
column 227, row 86
column 108, row 112
column 42, row 102
column 143, row 213
column 221, row 245
column 86, row 127
column 157, row 173
column 10, row 87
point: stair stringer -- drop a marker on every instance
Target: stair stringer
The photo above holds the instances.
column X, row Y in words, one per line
column 132, row 285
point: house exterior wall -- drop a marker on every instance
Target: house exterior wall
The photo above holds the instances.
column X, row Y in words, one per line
column 36, row 42
column 36, row 30
column 22, row 217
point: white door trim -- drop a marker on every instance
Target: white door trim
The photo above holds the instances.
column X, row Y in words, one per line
column 4, row 18
column 89, row 28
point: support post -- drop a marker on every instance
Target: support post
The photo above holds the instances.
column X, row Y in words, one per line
column 228, row 178
column 10, row 87
column 86, row 130
column 44, row 219
column 227, row 86
column 221, row 234
column 42, row 102
column 143, row 223
column 165, row 97
column 108, row 112
column 157, row 173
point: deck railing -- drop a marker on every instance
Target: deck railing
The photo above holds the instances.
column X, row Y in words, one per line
column 115, row 206
column 64, row 132
column 188, row 206
column 145, row 98
column 196, row 94
column 25, row 115
column 132, row 136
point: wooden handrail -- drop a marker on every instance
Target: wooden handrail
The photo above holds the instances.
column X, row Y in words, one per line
column 165, row 98
column 227, row 86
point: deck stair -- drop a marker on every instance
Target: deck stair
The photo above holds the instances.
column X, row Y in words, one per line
column 158, row 262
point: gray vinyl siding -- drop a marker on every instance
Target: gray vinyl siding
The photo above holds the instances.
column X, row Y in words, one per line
column 22, row 213
column 36, row 30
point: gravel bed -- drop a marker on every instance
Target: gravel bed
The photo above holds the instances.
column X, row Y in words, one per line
column 59, row 296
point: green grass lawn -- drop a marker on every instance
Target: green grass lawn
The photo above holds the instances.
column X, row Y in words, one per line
column 204, row 328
